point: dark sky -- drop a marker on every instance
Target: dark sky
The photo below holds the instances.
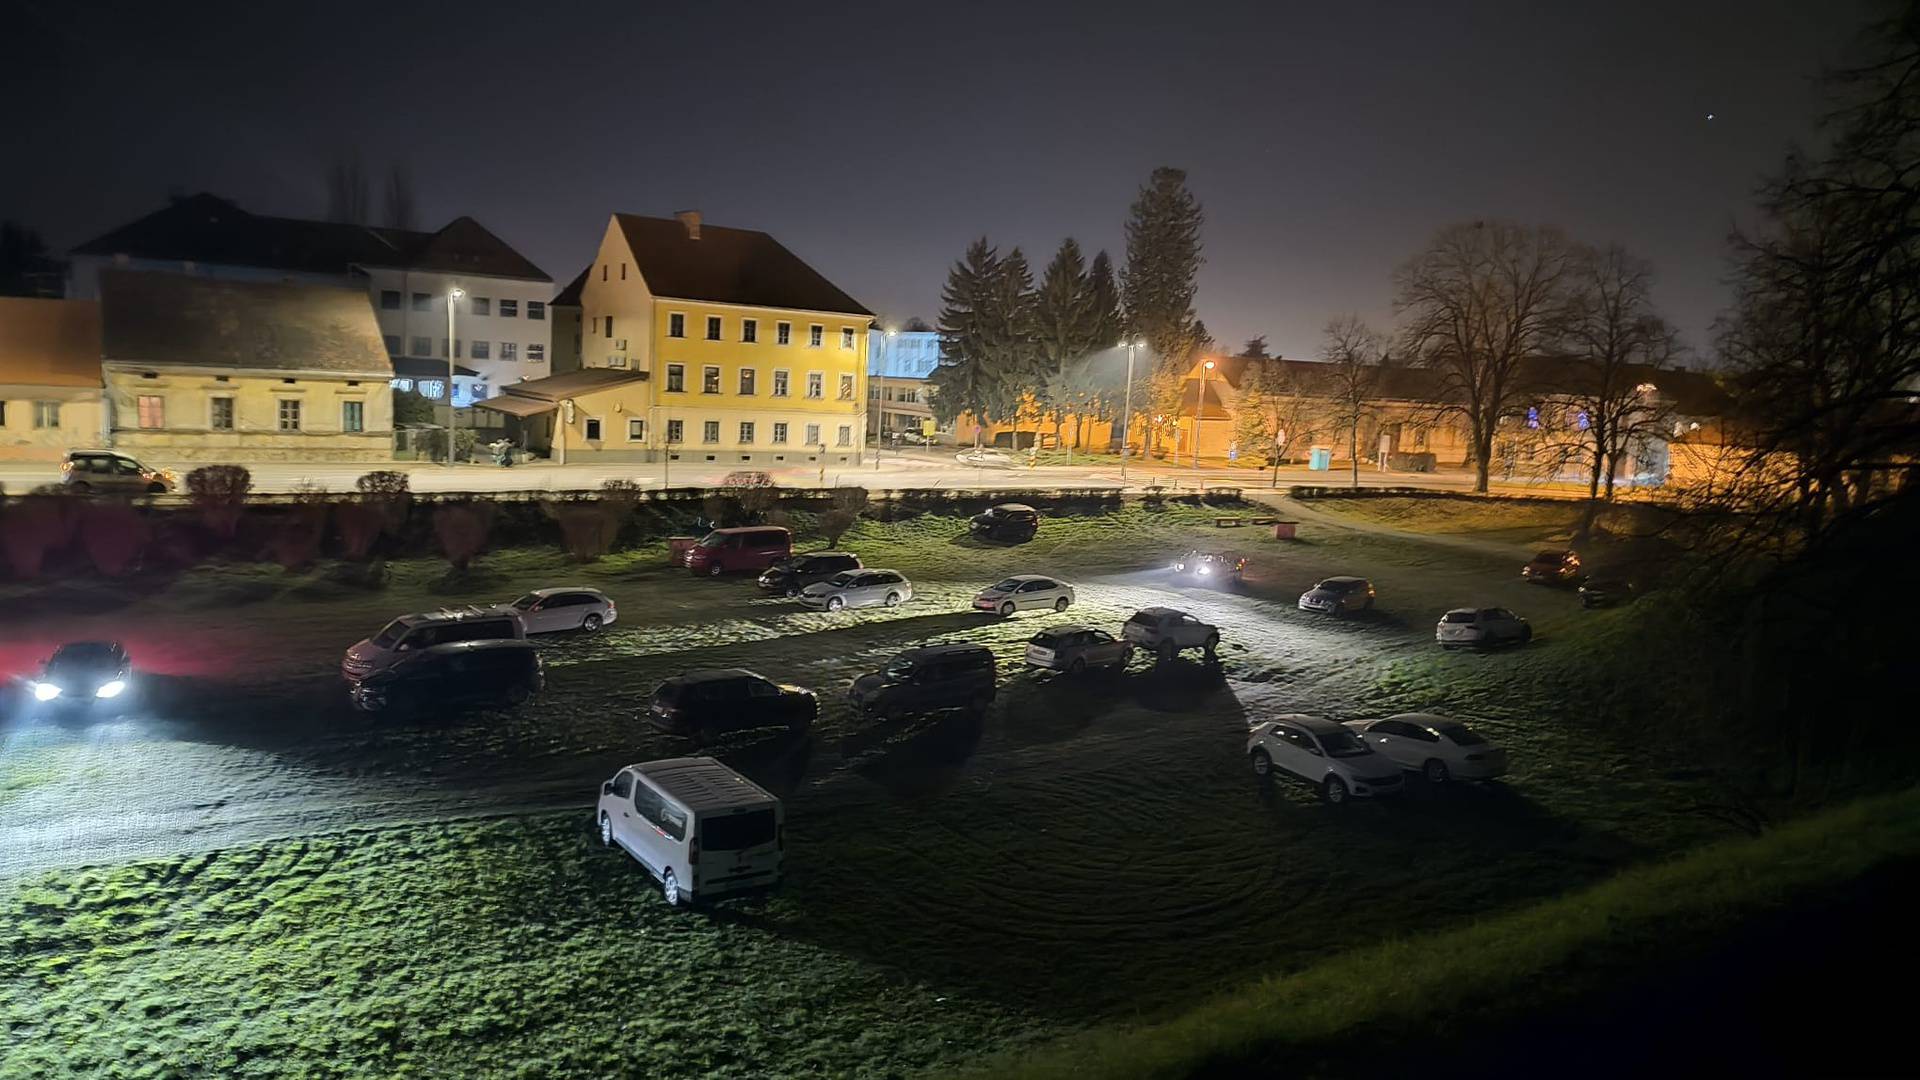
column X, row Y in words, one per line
column 1325, row 140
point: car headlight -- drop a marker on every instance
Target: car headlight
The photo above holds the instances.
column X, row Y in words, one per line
column 1203, row 571
column 45, row 691
column 111, row 688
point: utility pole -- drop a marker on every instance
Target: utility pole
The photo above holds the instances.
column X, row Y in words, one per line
column 453, row 300
column 1126, row 412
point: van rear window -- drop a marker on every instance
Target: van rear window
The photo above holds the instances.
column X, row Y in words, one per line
column 736, row 832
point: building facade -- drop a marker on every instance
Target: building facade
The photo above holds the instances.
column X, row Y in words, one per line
column 748, row 355
column 900, row 363
column 208, row 370
column 50, row 388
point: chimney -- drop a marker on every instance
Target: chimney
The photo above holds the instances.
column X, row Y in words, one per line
column 691, row 219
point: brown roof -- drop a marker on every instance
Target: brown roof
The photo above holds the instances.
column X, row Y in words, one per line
column 49, row 342
column 570, row 296
column 159, row 318
column 573, row 383
column 517, row 406
column 728, row 266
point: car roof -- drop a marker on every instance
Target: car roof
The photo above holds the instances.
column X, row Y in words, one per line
column 831, row 554
column 702, row 783
column 732, row 529
column 451, row 615
column 1427, row 720
column 1063, row 628
column 1344, row 579
column 1465, row 611
column 1015, row 506
column 1553, row 553
column 1157, row 612
column 1028, row 577
column 1319, row 725
column 78, row 649
column 707, row 675
column 557, row 589
column 925, row 651
column 483, row 645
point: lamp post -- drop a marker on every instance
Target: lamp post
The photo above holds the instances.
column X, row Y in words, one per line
column 1126, row 412
column 880, row 416
column 453, row 298
column 1199, row 406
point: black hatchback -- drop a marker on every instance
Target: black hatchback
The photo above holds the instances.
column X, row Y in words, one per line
column 701, row 704
column 927, row 680
column 484, row 674
column 790, row 576
column 1014, row 523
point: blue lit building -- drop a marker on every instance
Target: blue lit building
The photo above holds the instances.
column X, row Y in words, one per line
column 898, row 366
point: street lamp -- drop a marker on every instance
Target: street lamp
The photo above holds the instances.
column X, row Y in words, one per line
column 1126, row 414
column 1199, row 406
column 453, row 298
column 880, row 416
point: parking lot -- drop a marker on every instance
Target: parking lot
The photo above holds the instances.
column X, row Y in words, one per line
column 1092, row 846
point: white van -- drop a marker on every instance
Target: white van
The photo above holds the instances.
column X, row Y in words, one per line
column 701, row 828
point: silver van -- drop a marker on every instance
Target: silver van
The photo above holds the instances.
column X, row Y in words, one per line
column 702, row 829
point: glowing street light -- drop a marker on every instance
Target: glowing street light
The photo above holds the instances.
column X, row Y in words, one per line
column 453, row 299
column 1126, row 413
column 1199, row 405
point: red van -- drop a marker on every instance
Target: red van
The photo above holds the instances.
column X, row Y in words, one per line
column 750, row 547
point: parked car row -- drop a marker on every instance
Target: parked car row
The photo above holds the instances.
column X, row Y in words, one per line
column 1366, row 758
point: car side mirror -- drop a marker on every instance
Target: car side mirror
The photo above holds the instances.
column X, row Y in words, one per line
column 1315, row 751
column 403, row 647
column 606, row 787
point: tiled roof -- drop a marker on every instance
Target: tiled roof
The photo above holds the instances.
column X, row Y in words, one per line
column 728, row 266
column 178, row 319
column 49, row 342
column 573, row 383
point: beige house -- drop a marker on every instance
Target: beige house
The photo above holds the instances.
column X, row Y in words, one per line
column 203, row 369
column 49, row 377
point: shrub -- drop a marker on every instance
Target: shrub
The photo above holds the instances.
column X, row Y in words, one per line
column 113, row 534
column 390, row 491
column 360, row 523
column 33, row 525
column 756, row 502
column 462, row 531
column 851, row 499
column 219, row 493
column 721, row 510
column 296, row 540
column 834, row 524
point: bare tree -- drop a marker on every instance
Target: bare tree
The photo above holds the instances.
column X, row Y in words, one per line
column 1615, row 341
column 400, row 205
column 347, row 195
column 1281, row 406
column 1484, row 298
column 1354, row 354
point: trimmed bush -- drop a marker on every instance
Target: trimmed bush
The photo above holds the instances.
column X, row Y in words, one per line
column 219, row 493
column 113, row 534
column 297, row 536
column 33, row 525
column 461, row 529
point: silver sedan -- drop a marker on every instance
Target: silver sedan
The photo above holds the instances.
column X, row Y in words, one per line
column 1025, row 592
column 859, row 588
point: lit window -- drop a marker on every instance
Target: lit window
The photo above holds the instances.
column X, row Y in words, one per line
column 153, row 411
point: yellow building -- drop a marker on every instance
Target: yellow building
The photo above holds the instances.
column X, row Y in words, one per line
column 204, row 369
column 738, row 352
column 49, row 377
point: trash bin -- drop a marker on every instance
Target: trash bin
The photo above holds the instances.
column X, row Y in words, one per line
column 677, row 549
column 1284, row 530
column 1320, row 458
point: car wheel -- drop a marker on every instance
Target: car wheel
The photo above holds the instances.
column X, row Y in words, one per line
column 591, row 624
column 1526, row 635
column 835, row 603
column 80, row 488
column 606, row 831
column 670, row 889
column 793, row 591
column 1333, row 790
column 1061, row 604
column 1006, row 610
column 1262, row 764
column 517, row 695
column 1435, row 771
column 893, row 599
column 1126, row 657
column 1212, row 643
column 1167, row 652
column 1078, row 667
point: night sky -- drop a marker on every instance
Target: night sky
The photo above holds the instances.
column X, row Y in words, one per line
column 1326, row 141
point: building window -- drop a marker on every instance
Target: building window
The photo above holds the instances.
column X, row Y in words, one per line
column 816, row 381
column 713, row 328
column 422, row 346
column 353, row 416
column 846, row 337
column 482, row 350
column 846, row 386
column 289, row 414
column 676, row 378
column 623, row 271
column 676, row 325
column 710, row 431
column 779, row 382
column 537, row 310
column 846, row 435
column 607, row 328
column 710, row 380
column 393, row 344
column 603, row 271
column 509, row 309
column 783, row 333
column 780, row 432
column 389, row 299
column 749, row 330
column 482, row 306
column 46, row 414
column 422, row 301
column 813, row 335
column 746, row 382
column 536, row 352
column 509, row 350
column 813, row 434
column 675, row 430
column 220, row 414
column 746, row 433
column 152, row 411
column 592, row 427
column 432, row 389
column 636, row 430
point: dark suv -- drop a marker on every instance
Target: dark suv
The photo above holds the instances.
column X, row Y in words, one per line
column 790, row 576
column 927, row 680
column 487, row 674
column 705, row 703
column 1011, row 522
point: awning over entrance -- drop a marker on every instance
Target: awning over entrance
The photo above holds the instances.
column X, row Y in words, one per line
column 517, row 406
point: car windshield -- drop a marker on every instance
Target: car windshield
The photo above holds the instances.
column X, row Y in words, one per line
column 1458, row 617
column 900, row 667
column 1332, row 585
column 1342, row 744
column 1004, row 586
column 1046, row 637
column 713, row 540
column 526, row 602
column 841, row 581
column 1547, row 556
column 83, row 656
column 387, row 638
column 1460, row 736
column 736, row 832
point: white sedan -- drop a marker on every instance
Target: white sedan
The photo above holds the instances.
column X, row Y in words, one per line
column 544, row 611
column 1025, row 592
column 859, row 588
column 1433, row 746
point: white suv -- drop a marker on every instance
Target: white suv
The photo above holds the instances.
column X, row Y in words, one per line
column 1321, row 754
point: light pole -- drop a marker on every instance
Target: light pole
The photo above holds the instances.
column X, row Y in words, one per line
column 880, row 416
column 1199, row 406
column 1126, row 413
column 453, row 298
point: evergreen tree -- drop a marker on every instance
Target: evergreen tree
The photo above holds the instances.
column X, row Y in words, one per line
column 1066, row 330
column 1256, row 348
column 1010, row 321
column 27, row 268
column 965, row 380
column 1109, row 324
column 1163, row 259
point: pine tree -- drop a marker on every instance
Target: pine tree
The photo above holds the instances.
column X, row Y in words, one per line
column 1010, row 323
column 1066, row 329
column 1109, row 324
column 965, row 380
column 1163, row 259
column 1256, row 348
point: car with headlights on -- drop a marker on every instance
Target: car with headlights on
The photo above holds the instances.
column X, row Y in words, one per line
column 1338, row 596
column 788, row 576
column 858, row 588
column 1210, row 565
column 1481, row 628
column 1553, row 568
column 81, row 674
column 1024, row 592
column 86, row 472
column 1436, row 747
column 1074, row 649
column 702, row 704
column 1322, row 755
